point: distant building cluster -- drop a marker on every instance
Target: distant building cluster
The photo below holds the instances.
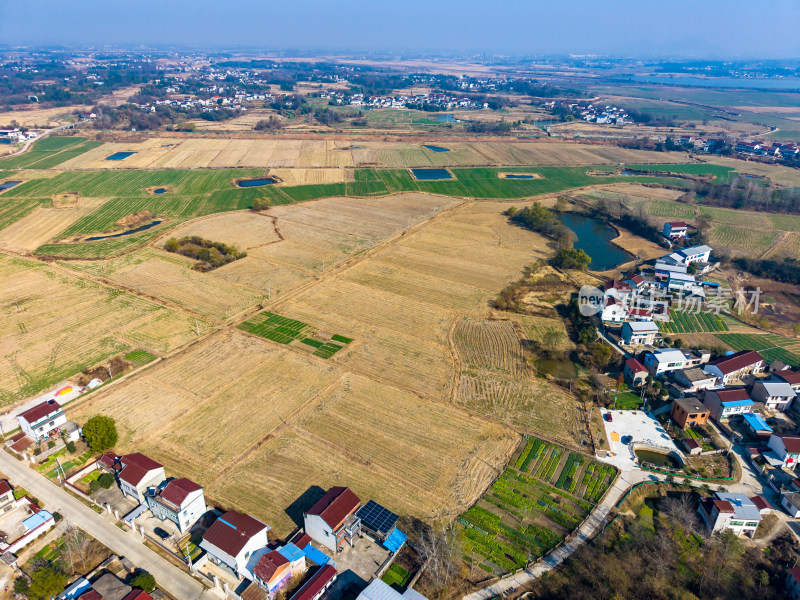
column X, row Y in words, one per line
column 443, row 101
column 602, row 115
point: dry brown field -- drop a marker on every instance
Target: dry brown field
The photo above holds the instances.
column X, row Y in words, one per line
column 245, row 230
column 387, row 413
column 57, row 324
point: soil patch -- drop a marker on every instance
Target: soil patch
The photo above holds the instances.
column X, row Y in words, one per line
column 159, row 189
column 115, row 365
column 134, row 220
column 66, row 200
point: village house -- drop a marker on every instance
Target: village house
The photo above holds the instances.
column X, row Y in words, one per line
column 179, row 500
column 232, row 538
column 314, row 588
column 639, row 332
column 634, row 373
column 756, row 425
column 688, row 412
column 332, row 519
column 134, row 472
column 735, row 512
column 274, row 569
column 379, row 590
column 663, row 360
column 687, row 256
column 38, row 422
column 776, row 395
column 786, row 448
column 662, row 270
column 693, row 379
column 790, row 377
column 6, row 496
column 735, row 366
column 674, row 230
column 724, row 403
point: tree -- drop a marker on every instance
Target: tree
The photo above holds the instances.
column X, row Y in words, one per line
column 703, row 221
column 261, row 204
column 677, row 342
column 46, row 582
column 572, row 259
column 100, row 432
column 144, row 580
column 172, row 245
column 763, row 578
column 601, row 353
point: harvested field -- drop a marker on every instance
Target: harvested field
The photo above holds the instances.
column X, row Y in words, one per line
column 44, row 224
column 535, row 328
column 58, row 324
column 490, row 345
column 244, row 230
column 746, row 241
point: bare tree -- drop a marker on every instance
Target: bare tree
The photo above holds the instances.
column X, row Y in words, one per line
column 440, row 547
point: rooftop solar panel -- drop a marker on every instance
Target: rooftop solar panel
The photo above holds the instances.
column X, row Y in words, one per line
column 377, row 518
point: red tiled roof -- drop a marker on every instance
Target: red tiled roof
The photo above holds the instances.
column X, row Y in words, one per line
column 23, row 443
column 640, row 312
column 733, row 395
column 737, row 361
column 137, row 595
column 176, row 491
column 4, row 487
column 675, row 224
column 795, row 572
column 619, row 285
column 108, row 459
column 335, row 506
column 723, row 506
column 792, row 442
column 791, row 377
column 635, row 366
column 135, row 467
column 316, row 584
column 40, row 411
column 140, row 460
column 90, row 595
column 761, row 503
column 691, row 444
column 232, row 531
column 268, row 564
column 301, row 540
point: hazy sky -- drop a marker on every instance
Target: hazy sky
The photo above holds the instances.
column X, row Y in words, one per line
column 712, row 28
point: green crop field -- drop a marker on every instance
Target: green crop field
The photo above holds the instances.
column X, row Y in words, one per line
column 692, row 322
column 103, row 248
column 720, row 173
column 751, row 241
column 284, row 331
column 139, row 357
column 49, row 152
column 666, row 208
column 542, row 496
column 13, row 211
column 769, row 346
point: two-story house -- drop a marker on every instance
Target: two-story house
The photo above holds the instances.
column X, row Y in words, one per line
column 331, row 521
column 232, row 538
column 735, row 366
column 786, row 447
column 674, row 230
column 687, row 412
column 664, row 360
column 6, row 496
column 639, row 332
column 180, row 500
column 38, row 422
column 275, row 568
column 134, row 472
column 775, row 394
column 634, row 372
column 790, row 377
column 735, row 512
column 725, row 403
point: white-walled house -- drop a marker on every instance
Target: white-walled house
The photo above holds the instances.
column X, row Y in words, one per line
column 663, row 360
column 725, row 403
column 674, row 229
column 639, row 332
column 232, row 538
column 735, row 366
column 735, row 512
column 786, row 447
column 135, row 472
column 332, row 519
column 775, row 394
column 38, row 422
column 181, row 501
column 790, row 377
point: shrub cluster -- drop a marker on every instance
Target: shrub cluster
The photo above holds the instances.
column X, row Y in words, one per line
column 211, row 255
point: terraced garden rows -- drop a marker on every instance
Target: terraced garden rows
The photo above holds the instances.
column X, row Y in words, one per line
column 543, row 495
column 769, row 346
column 692, row 322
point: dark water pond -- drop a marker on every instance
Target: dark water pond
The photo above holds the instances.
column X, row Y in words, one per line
column 519, row 176
column 436, row 148
column 431, row 174
column 245, row 183
column 5, row 141
column 120, row 155
column 124, row 233
column 594, row 238
column 657, row 458
column 160, row 191
column 8, row 185
column 446, row 118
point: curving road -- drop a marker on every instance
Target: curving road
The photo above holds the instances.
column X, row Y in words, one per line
column 173, row 580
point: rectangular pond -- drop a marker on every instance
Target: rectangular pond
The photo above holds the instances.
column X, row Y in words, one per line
column 120, row 155
column 8, row 185
column 431, row 174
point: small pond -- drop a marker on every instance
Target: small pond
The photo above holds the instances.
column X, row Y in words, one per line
column 120, row 155
column 431, row 174
column 124, row 233
column 560, row 369
column 594, row 237
column 436, row 148
column 446, row 118
column 8, row 185
column 519, row 176
column 5, row 140
column 160, row 191
column 659, row 459
column 245, row 183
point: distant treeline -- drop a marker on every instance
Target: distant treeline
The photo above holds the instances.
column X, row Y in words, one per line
column 786, row 271
column 748, row 194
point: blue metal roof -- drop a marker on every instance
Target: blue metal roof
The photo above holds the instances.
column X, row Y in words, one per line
column 395, row 541
column 315, row 555
column 291, row 552
column 732, row 403
column 36, row 520
column 757, row 422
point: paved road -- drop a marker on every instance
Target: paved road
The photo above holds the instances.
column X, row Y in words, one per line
column 125, row 543
column 31, row 141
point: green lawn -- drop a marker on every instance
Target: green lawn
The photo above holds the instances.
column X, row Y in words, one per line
column 49, row 152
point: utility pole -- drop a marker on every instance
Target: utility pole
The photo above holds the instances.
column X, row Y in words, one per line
column 63, row 475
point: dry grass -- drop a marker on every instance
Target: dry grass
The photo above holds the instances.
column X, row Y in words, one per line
column 44, row 224
column 244, row 230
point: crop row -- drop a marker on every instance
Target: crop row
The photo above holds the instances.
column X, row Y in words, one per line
column 693, row 322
